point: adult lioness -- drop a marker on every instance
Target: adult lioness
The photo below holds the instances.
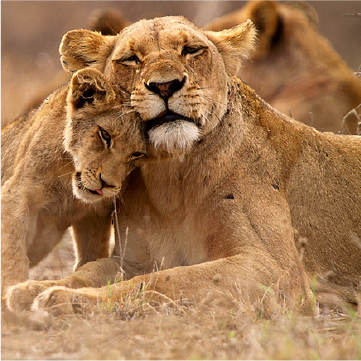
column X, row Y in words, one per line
column 295, row 68
column 219, row 212
column 61, row 167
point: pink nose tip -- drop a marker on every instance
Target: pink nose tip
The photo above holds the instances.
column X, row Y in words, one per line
column 166, row 90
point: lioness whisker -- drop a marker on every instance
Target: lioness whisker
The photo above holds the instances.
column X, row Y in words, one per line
column 212, row 101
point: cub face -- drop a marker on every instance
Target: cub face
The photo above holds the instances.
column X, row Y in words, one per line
column 104, row 136
column 175, row 73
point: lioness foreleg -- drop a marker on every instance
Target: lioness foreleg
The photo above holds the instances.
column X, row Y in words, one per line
column 241, row 276
column 93, row 274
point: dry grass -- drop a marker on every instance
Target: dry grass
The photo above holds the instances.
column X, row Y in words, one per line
column 217, row 328
column 136, row 329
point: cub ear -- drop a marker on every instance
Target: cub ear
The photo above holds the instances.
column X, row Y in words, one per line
column 89, row 86
column 83, row 48
column 234, row 44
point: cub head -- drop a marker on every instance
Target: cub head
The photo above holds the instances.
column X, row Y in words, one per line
column 103, row 135
column 176, row 74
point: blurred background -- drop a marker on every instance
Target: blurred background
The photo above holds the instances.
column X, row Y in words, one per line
column 31, row 32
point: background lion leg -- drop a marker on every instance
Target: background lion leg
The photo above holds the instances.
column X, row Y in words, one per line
column 93, row 274
column 249, row 278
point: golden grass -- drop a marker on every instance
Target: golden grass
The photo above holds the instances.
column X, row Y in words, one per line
column 138, row 330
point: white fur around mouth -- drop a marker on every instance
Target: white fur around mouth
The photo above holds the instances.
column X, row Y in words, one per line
column 176, row 135
column 80, row 186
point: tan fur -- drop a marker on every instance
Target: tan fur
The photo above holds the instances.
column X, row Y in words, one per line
column 295, row 68
column 228, row 211
column 44, row 157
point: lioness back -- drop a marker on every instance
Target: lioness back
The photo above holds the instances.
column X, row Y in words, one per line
column 295, row 68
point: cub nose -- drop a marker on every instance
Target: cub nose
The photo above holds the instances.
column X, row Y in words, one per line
column 166, row 90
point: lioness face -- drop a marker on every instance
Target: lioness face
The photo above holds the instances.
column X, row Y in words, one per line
column 176, row 78
column 105, row 138
column 175, row 73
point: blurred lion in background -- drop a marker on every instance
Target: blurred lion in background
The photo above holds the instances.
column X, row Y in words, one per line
column 295, row 68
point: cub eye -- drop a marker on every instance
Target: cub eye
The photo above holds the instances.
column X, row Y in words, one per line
column 105, row 137
column 131, row 60
column 194, row 50
column 137, row 155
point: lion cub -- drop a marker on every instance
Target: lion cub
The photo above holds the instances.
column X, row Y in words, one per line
column 61, row 166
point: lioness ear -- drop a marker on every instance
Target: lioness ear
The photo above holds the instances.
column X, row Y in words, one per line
column 234, row 44
column 83, row 48
column 89, row 86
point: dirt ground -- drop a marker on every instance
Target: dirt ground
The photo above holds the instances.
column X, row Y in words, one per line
column 212, row 330
column 30, row 36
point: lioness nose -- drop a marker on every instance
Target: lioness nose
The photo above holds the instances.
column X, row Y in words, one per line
column 166, row 90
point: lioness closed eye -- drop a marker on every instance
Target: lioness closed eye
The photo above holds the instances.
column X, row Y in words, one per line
column 219, row 212
column 62, row 165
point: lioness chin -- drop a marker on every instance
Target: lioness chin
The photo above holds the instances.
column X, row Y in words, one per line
column 62, row 165
column 220, row 210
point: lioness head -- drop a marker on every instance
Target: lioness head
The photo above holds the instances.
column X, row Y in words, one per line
column 176, row 74
column 103, row 135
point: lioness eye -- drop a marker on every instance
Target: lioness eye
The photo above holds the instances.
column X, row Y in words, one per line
column 105, row 137
column 130, row 60
column 192, row 50
column 137, row 155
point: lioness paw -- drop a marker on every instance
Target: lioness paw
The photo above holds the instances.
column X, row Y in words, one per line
column 60, row 301
column 21, row 296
